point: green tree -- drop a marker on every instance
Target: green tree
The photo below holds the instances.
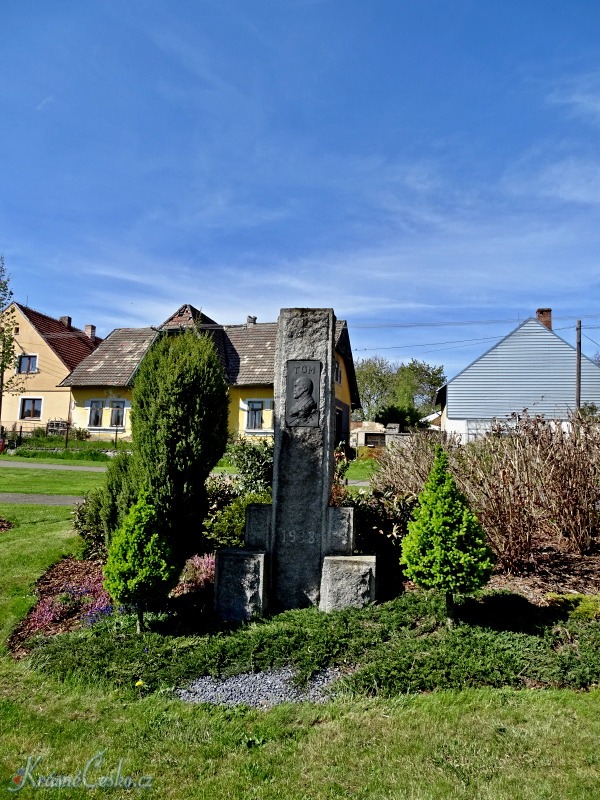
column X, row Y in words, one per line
column 406, row 417
column 445, row 545
column 375, row 379
column 416, row 384
column 140, row 569
column 9, row 380
column 179, row 430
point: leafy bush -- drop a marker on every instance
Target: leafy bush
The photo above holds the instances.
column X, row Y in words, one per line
column 140, row 569
column 221, row 490
column 225, row 528
column 253, row 461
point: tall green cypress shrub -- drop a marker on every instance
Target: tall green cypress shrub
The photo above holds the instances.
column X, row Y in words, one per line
column 179, row 428
column 445, row 545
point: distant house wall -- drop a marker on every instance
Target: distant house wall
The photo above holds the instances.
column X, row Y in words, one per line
column 103, row 411
column 251, row 410
column 40, row 399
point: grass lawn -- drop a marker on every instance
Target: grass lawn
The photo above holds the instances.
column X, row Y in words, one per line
column 48, row 481
column 40, row 536
column 61, row 462
column 361, row 469
column 482, row 744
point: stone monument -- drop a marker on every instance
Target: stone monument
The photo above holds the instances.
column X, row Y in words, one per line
column 298, row 551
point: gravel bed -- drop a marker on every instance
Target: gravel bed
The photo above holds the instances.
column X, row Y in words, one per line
column 260, row 689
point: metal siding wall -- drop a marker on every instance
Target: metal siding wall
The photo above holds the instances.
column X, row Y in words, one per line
column 532, row 368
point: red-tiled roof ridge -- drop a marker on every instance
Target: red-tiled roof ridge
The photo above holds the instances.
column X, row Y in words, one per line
column 70, row 344
column 186, row 316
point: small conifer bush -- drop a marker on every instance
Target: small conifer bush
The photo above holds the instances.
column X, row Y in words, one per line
column 140, row 569
column 445, row 545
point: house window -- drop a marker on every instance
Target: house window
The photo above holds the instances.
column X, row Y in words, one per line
column 31, row 408
column 337, row 371
column 259, row 415
column 96, row 407
column 255, row 415
column 26, row 364
column 117, row 413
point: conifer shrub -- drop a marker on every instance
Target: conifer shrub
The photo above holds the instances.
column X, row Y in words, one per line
column 179, row 429
column 140, row 569
column 87, row 522
column 118, row 493
column 445, row 545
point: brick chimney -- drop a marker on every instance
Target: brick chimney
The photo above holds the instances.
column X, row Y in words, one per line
column 90, row 331
column 544, row 315
column 66, row 321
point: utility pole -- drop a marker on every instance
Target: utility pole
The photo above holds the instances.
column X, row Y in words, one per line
column 578, row 371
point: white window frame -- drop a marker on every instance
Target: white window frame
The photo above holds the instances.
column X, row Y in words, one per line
column 24, row 400
column 113, row 405
column 91, row 407
column 266, row 405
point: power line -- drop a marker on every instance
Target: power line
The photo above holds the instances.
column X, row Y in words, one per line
column 426, row 344
column 465, row 322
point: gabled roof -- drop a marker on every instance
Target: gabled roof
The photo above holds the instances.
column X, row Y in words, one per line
column 246, row 352
column 531, row 367
column 70, row 344
column 186, row 317
column 250, row 352
column 115, row 361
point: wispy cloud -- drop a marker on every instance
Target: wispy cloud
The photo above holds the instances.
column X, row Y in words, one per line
column 45, row 102
column 580, row 95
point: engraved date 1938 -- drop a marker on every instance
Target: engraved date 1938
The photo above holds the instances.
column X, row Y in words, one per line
column 297, row 537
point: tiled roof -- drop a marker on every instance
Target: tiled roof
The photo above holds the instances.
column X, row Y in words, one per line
column 115, row 361
column 70, row 344
column 250, row 352
column 186, row 317
column 246, row 352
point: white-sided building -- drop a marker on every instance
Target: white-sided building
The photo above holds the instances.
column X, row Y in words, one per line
column 532, row 368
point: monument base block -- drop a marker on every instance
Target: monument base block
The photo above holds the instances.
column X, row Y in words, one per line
column 240, row 584
column 347, row 581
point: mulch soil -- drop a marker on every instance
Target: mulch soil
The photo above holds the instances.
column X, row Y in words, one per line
column 5, row 525
column 68, row 572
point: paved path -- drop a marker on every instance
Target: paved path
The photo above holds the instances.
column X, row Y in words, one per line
column 40, row 499
column 4, row 462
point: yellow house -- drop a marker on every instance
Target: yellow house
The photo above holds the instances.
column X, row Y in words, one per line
column 47, row 350
column 101, row 384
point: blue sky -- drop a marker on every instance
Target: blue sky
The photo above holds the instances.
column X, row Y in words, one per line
column 428, row 168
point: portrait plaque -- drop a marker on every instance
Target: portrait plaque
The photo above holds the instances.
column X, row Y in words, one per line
column 302, row 394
